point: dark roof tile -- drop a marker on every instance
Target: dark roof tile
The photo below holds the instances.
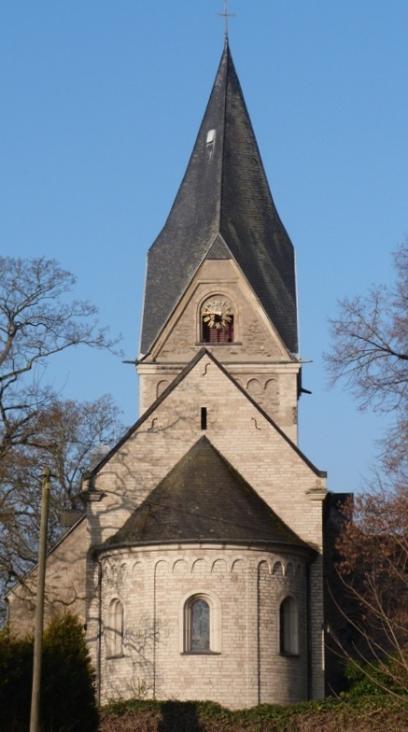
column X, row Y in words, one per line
column 224, row 191
column 203, row 498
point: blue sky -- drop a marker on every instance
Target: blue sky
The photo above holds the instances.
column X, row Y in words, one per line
column 100, row 105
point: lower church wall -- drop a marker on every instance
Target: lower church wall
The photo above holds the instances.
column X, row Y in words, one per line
column 64, row 584
column 149, row 656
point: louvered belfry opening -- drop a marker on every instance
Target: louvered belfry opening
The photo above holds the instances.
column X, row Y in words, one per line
column 223, row 334
column 217, row 320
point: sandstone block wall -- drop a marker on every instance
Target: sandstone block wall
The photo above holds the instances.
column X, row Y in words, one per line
column 244, row 587
column 65, row 583
column 257, row 358
column 269, row 463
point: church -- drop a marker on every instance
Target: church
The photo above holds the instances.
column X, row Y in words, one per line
column 198, row 567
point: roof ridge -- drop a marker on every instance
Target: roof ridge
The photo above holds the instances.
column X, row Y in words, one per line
column 185, row 371
column 320, row 473
column 227, row 52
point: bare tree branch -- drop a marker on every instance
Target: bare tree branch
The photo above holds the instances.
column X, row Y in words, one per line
column 370, row 355
column 39, row 319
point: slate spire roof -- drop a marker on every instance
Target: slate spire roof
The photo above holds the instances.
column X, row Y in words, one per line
column 223, row 209
column 203, row 498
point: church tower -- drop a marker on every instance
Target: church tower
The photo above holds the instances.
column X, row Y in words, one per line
column 221, row 274
column 198, row 566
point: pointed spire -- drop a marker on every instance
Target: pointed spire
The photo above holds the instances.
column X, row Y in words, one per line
column 224, row 192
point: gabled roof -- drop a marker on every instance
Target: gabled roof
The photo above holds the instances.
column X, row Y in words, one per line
column 224, row 192
column 203, row 498
column 182, row 375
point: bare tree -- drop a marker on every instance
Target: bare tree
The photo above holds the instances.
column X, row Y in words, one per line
column 370, row 342
column 370, row 354
column 38, row 319
column 372, row 595
column 69, row 439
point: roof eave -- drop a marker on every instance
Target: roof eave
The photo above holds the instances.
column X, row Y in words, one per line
column 304, row 549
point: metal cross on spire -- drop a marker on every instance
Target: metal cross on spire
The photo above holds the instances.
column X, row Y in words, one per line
column 226, row 15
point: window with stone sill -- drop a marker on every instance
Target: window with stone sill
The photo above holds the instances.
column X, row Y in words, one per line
column 114, row 630
column 199, row 625
column 288, row 627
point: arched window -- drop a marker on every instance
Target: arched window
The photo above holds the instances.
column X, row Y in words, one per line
column 217, row 320
column 114, row 629
column 197, row 625
column 288, row 627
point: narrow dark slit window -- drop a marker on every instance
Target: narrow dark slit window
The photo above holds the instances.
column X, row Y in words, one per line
column 203, row 418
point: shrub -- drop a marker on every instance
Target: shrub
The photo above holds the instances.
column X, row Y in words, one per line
column 372, row 680
column 363, row 714
column 16, row 661
column 67, row 693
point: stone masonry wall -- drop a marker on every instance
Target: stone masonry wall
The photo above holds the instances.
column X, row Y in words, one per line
column 247, row 440
column 244, row 588
column 64, row 584
column 257, row 358
column 255, row 339
column 270, row 464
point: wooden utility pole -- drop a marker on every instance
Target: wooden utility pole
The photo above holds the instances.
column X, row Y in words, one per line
column 39, row 611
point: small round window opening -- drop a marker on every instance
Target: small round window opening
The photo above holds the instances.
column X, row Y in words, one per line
column 217, row 321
